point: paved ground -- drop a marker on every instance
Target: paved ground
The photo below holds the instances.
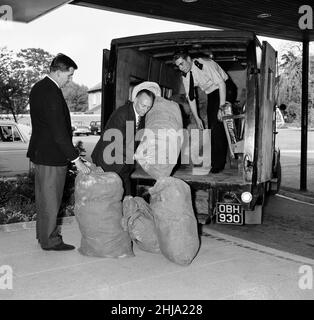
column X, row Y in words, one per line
column 288, row 225
column 289, row 142
column 247, row 262
column 225, row 268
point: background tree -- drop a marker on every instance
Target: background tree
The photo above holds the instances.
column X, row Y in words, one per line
column 18, row 73
column 290, row 83
column 290, row 69
column 76, row 96
column 21, row 70
column 36, row 62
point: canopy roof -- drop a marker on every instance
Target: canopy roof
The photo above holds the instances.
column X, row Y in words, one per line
column 281, row 18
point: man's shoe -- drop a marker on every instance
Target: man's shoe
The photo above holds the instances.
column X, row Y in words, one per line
column 61, row 247
column 215, row 170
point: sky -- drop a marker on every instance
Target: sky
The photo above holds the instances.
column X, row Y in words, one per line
column 82, row 33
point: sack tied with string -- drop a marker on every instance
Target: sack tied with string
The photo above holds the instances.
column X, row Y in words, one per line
column 139, row 222
column 162, row 139
column 98, row 210
column 175, row 221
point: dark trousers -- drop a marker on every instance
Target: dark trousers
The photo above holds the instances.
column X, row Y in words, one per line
column 219, row 142
column 49, row 185
column 125, row 174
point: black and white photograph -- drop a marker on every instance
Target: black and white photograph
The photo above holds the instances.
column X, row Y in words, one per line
column 156, row 155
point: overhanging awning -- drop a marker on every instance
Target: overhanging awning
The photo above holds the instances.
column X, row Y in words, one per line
column 28, row 10
column 281, row 18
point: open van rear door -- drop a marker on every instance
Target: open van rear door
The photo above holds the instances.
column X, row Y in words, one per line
column 107, row 105
column 251, row 110
column 266, row 111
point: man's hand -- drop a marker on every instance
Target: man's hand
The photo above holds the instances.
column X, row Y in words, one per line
column 220, row 115
column 199, row 123
column 81, row 167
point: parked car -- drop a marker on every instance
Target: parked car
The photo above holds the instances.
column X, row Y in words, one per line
column 14, row 140
column 79, row 128
column 95, row 127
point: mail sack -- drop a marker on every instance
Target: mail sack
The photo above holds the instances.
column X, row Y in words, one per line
column 161, row 140
column 175, row 221
column 98, row 210
column 139, row 222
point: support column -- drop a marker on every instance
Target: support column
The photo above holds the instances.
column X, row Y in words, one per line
column 304, row 114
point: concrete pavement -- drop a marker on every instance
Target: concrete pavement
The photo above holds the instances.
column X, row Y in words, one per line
column 225, row 268
column 288, row 225
column 247, row 262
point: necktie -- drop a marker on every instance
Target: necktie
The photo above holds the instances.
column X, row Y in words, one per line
column 138, row 122
column 191, row 89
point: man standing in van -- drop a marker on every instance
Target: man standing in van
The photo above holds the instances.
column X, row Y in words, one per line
column 210, row 78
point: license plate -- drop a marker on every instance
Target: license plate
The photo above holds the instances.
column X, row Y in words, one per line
column 229, row 213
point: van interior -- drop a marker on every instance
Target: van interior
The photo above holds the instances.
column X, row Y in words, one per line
column 152, row 60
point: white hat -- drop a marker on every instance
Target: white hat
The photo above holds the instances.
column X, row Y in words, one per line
column 148, row 85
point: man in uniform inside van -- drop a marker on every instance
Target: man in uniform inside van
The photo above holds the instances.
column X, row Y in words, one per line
column 210, row 78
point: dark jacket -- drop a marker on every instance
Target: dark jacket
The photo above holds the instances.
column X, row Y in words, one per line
column 118, row 121
column 51, row 140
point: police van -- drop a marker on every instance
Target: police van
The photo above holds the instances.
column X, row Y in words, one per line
column 237, row 194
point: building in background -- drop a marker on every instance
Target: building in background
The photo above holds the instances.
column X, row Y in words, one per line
column 94, row 99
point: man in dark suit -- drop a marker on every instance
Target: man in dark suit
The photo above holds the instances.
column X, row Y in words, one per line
column 51, row 149
column 123, row 124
